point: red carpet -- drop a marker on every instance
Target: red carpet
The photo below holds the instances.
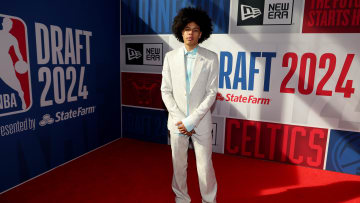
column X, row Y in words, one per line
column 133, row 171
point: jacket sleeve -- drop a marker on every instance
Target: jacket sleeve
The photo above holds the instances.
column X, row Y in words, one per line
column 211, row 90
column 167, row 93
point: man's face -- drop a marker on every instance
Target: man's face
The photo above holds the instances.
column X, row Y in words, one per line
column 191, row 34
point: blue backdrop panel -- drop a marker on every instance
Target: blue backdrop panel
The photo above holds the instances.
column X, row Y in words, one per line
column 73, row 102
column 145, row 124
column 155, row 17
column 344, row 152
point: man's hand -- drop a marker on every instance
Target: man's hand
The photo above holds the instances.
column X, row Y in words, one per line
column 192, row 132
column 183, row 129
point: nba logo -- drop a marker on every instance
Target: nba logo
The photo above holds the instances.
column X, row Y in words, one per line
column 15, row 81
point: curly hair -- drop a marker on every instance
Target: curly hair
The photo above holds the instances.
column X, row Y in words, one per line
column 188, row 15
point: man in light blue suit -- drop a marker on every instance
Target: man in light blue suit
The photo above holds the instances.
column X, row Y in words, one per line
column 188, row 89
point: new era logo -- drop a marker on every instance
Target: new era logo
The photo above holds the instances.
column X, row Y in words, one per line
column 249, row 12
column 133, row 54
column 15, row 80
column 265, row 12
column 144, row 54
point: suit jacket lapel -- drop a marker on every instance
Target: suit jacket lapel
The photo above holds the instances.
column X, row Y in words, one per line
column 198, row 66
column 180, row 68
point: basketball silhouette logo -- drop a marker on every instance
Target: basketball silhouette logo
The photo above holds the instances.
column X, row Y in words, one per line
column 15, row 80
column 21, row 67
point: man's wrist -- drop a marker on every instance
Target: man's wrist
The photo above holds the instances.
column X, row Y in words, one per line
column 189, row 127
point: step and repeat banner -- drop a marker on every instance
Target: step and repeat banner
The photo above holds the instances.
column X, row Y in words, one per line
column 59, row 82
column 288, row 83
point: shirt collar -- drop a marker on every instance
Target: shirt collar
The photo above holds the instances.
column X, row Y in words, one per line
column 192, row 52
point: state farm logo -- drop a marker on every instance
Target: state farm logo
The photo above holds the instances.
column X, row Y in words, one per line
column 15, row 83
column 219, row 97
column 265, row 12
column 144, row 54
column 251, row 99
column 47, row 120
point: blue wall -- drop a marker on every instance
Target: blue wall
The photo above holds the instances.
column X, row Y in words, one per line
column 82, row 125
column 156, row 17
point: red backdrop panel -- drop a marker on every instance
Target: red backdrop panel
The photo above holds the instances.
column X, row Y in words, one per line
column 331, row 16
column 297, row 145
column 141, row 89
